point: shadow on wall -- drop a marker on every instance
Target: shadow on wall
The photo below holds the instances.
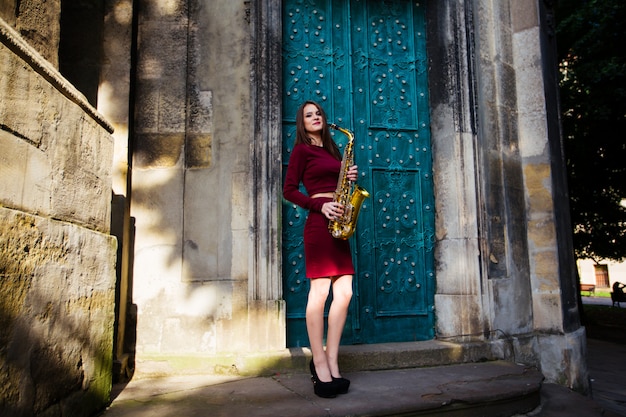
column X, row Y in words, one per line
column 54, row 352
column 125, row 327
column 82, row 27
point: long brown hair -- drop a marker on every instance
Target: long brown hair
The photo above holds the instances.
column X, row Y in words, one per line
column 302, row 137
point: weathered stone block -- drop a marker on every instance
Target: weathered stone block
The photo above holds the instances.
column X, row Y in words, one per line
column 458, row 271
column 524, row 15
column 158, row 150
column 545, row 270
column 547, row 314
column 541, row 233
column 7, row 11
column 57, row 312
column 198, row 150
column 563, row 359
column 200, row 110
column 463, row 315
column 539, row 188
column 25, row 172
column 457, row 219
column 39, row 22
column 69, row 157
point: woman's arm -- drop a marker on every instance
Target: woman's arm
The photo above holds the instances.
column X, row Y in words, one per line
column 291, row 187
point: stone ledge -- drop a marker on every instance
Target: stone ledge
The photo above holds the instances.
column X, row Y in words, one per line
column 12, row 40
column 352, row 358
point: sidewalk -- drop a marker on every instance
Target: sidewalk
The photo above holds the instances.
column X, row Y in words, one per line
column 607, row 373
column 476, row 389
column 600, row 301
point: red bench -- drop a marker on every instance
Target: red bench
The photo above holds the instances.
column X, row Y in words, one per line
column 590, row 288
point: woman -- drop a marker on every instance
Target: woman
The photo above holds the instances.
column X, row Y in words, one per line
column 316, row 162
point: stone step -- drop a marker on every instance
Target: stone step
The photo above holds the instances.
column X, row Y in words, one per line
column 485, row 389
column 393, row 379
column 352, row 358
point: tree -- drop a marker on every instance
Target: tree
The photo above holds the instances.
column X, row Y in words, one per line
column 591, row 43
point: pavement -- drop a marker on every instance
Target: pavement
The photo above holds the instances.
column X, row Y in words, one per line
column 485, row 389
column 606, row 362
column 600, row 301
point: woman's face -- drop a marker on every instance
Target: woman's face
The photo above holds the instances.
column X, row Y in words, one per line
column 312, row 118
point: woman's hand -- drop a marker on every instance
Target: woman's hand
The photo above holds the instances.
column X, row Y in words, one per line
column 332, row 210
column 353, row 173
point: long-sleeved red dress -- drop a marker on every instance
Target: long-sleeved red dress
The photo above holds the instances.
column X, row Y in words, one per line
column 318, row 171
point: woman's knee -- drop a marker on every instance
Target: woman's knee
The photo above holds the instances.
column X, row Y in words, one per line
column 319, row 290
column 345, row 295
column 342, row 288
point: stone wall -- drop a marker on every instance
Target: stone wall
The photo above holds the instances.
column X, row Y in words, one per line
column 197, row 117
column 207, row 275
column 38, row 22
column 57, row 259
column 191, row 183
column 505, row 266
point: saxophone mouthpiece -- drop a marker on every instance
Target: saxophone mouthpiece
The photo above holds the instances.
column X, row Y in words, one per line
column 333, row 126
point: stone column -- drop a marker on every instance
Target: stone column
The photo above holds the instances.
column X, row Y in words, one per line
column 265, row 286
column 561, row 340
column 460, row 275
column 114, row 100
column 504, row 250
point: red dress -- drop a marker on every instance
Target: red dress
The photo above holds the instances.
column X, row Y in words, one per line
column 318, row 171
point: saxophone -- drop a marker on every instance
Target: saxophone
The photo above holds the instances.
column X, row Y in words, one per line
column 351, row 199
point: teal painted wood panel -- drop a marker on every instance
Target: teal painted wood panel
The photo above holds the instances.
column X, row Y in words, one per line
column 365, row 62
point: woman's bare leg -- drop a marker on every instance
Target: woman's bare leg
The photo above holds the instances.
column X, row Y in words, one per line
column 318, row 293
column 342, row 294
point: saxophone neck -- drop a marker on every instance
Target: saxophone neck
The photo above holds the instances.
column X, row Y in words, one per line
column 342, row 130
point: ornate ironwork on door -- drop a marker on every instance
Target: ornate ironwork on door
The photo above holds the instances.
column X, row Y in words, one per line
column 365, row 63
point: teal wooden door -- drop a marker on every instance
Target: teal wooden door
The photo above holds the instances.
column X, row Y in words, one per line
column 365, row 63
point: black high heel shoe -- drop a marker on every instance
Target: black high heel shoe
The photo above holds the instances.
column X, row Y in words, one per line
column 320, row 388
column 342, row 384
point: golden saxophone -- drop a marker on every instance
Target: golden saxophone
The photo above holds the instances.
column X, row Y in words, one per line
column 344, row 226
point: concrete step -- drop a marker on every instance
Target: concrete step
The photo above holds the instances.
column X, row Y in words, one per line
column 393, row 379
column 352, row 358
column 486, row 389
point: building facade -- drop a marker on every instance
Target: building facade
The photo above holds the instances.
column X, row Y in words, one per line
column 466, row 238
column 57, row 255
